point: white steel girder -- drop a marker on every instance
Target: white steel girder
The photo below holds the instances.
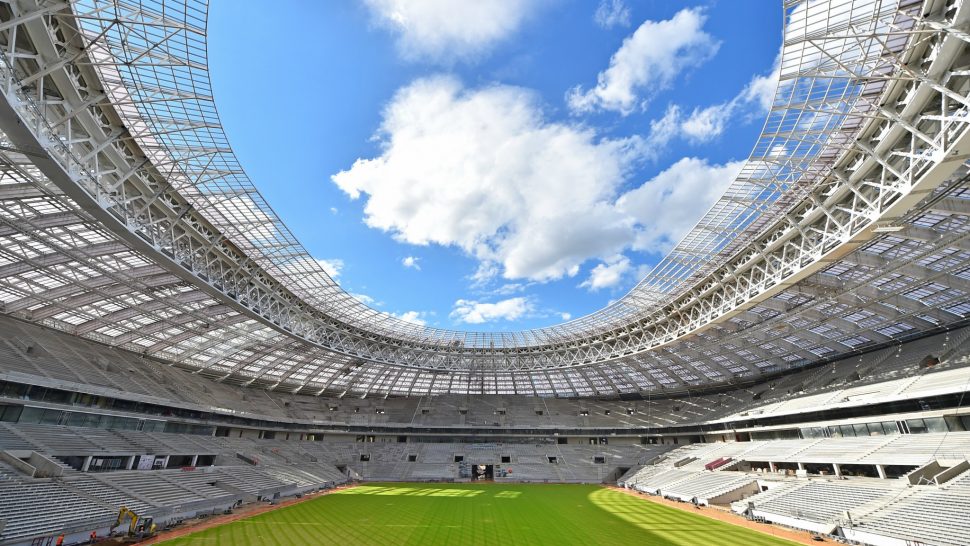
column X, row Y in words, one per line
column 86, row 113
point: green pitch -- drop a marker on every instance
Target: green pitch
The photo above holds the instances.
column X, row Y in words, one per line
column 498, row 514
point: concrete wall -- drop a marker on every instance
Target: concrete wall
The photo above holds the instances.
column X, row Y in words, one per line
column 951, row 473
column 925, row 473
column 245, row 433
column 36, row 465
column 824, row 528
column 736, row 495
column 873, row 539
column 13, row 459
column 46, row 467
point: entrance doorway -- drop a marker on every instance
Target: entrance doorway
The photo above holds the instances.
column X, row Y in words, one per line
column 483, row 472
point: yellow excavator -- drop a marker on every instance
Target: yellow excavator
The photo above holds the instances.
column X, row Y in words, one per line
column 135, row 531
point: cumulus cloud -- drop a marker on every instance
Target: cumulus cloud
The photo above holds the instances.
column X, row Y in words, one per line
column 482, row 170
column 702, row 125
column 332, row 267
column 612, row 13
column 446, row 30
column 761, row 88
column 414, row 317
column 647, row 62
column 607, row 274
column 509, row 288
column 669, row 205
column 365, row 299
column 664, row 129
column 565, row 316
column 698, row 126
column 474, row 312
column 411, row 262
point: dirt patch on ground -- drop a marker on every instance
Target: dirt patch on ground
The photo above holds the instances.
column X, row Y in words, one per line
column 713, row 512
column 243, row 512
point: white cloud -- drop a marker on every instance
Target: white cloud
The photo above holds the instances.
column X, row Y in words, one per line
column 565, row 316
column 485, row 273
column 705, row 124
column 365, row 299
column 664, row 130
column 449, row 30
column 482, row 170
column 333, row 210
column 473, row 312
column 647, row 62
column 414, row 317
column 669, row 205
column 509, row 289
column 761, row 88
column 702, row 125
column 411, row 262
column 332, row 267
column 607, row 274
column 612, row 13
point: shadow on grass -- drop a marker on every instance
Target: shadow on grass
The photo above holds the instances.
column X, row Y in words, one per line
column 671, row 527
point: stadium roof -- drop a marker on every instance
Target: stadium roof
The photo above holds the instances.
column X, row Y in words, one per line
column 126, row 218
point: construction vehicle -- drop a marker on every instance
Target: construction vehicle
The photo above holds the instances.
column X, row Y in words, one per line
column 135, row 531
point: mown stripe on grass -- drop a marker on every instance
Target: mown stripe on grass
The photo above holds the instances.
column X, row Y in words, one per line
column 477, row 514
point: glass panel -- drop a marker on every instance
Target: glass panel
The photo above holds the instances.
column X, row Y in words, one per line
column 935, row 424
column 916, row 426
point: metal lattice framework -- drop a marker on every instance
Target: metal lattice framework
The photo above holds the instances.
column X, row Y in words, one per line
column 126, row 218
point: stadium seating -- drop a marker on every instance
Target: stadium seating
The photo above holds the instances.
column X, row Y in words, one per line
column 927, row 514
column 823, row 502
column 246, row 467
column 30, row 507
column 886, row 375
column 801, row 356
column 243, row 468
column 869, row 510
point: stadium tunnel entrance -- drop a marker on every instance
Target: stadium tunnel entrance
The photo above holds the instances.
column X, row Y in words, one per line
column 483, row 472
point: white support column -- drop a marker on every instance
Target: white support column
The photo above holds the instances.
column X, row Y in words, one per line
column 838, row 470
column 130, row 462
column 881, row 469
column 87, row 463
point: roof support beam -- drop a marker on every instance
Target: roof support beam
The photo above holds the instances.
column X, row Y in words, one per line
column 20, row 191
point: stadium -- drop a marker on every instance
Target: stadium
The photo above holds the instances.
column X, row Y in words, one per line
column 170, row 353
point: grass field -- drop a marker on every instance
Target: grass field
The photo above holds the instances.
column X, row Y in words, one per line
column 477, row 514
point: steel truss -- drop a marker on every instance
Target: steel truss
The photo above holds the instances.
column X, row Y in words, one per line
column 125, row 218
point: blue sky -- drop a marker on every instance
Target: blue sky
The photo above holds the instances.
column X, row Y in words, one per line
column 496, row 165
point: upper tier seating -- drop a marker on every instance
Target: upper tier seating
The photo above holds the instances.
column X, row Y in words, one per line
column 34, row 355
